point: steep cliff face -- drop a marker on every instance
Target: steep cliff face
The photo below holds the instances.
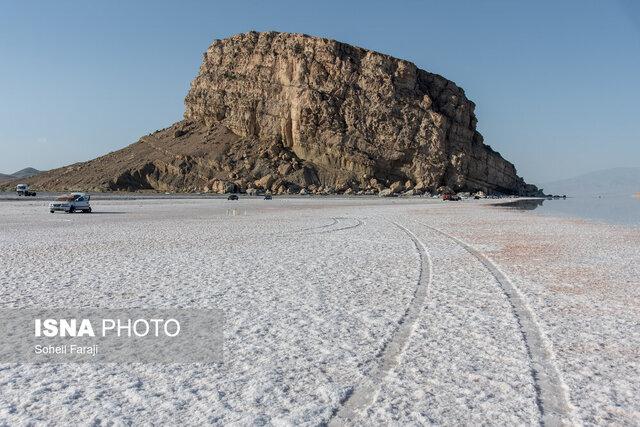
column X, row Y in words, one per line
column 285, row 112
column 359, row 114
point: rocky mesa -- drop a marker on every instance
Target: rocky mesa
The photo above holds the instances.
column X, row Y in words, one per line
column 290, row 113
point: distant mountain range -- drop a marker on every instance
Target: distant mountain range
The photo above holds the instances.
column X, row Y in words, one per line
column 617, row 181
column 22, row 173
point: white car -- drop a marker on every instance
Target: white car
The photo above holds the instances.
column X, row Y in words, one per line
column 71, row 202
column 23, row 190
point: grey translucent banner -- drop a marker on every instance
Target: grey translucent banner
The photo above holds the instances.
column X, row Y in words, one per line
column 111, row 335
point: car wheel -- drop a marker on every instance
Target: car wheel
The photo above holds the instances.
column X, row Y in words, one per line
column 51, row 211
column 89, row 210
column 71, row 209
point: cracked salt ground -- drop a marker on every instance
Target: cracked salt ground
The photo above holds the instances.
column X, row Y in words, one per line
column 364, row 393
column 293, row 333
column 316, row 294
column 581, row 280
column 466, row 360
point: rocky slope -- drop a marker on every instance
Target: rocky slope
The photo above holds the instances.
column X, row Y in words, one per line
column 287, row 112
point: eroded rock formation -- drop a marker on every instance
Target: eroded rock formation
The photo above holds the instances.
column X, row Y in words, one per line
column 287, row 112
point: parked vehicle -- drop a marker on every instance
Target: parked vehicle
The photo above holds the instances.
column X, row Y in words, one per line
column 451, row 197
column 71, row 203
column 23, row 190
column 232, row 197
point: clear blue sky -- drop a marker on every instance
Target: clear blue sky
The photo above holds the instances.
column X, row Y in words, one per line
column 556, row 83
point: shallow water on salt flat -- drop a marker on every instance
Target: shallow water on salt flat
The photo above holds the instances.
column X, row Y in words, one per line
column 609, row 209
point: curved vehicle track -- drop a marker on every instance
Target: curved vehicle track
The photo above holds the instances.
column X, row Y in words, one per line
column 551, row 392
column 319, row 229
column 389, row 356
column 358, row 223
column 335, row 221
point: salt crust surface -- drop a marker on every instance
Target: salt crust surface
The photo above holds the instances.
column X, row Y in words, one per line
column 312, row 291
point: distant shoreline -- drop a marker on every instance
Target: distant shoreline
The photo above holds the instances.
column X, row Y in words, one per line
column 612, row 210
column 118, row 195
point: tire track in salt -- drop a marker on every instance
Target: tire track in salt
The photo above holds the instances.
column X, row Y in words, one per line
column 347, row 227
column 552, row 394
column 318, row 227
column 388, row 358
column 285, row 234
column 335, row 221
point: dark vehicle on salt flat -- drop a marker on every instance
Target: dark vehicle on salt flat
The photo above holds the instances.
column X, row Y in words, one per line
column 451, row 197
